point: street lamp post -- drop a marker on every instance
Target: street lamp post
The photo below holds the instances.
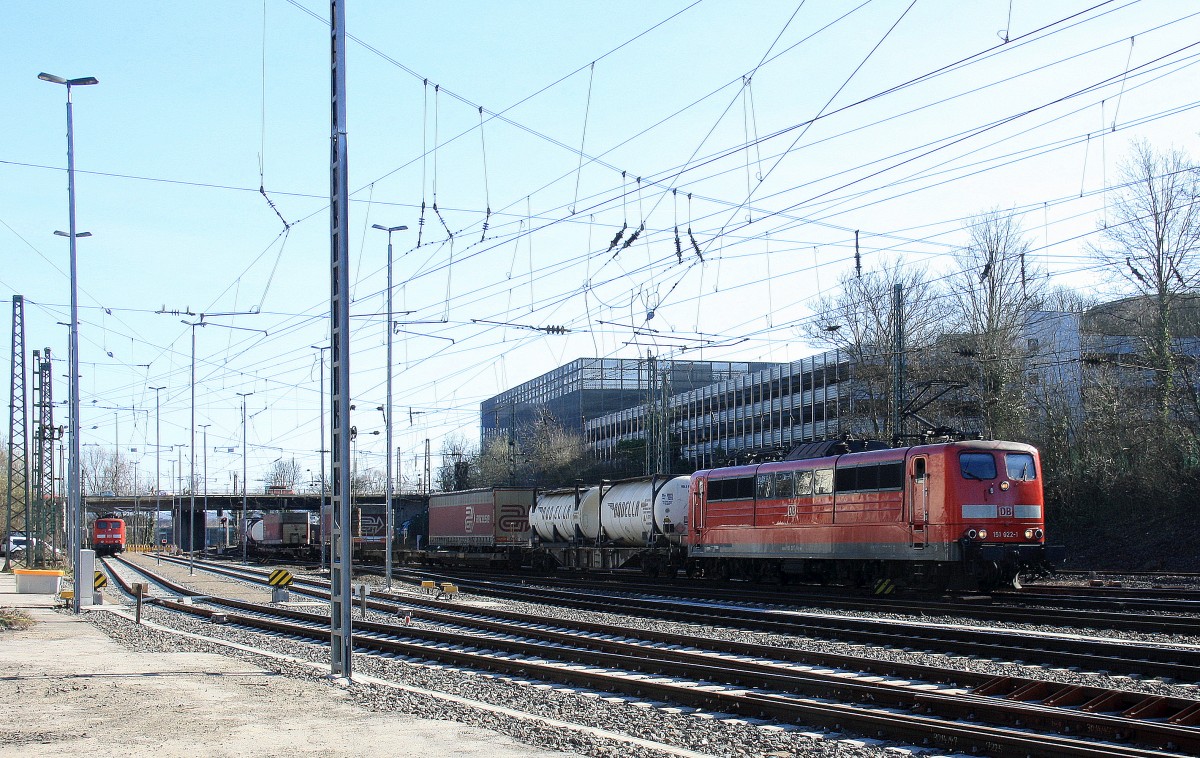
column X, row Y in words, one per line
column 192, row 454
column 157, row 466
column 321, row 450
column 192, row 476
column 75, row 501
column 204, row 509
column 171, row 481
column 244, row 395
column 116, row 450
column 389, row 516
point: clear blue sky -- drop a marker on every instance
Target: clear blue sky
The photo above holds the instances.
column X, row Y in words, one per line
column 200, row 103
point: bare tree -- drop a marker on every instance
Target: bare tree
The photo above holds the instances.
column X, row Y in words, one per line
column 102, row 471
column 497, row 462
column 368, row 480
column 555, row 453
column 994, row 290
column 459, row 467
column 860, row 321
column 283, row 475
column 1153, row 240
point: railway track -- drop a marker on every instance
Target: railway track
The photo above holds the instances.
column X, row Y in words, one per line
column 1056, row 649
column 766, row 682
column 1170, row 612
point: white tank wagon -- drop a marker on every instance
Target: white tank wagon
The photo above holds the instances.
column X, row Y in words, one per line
column 638, row 512
column 628, row 524
column 558, row 515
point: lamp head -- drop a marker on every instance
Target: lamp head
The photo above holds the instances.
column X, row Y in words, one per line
column 79, row 82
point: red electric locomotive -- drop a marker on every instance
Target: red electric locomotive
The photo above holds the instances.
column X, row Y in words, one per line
column 108, row 535
column 959, row 514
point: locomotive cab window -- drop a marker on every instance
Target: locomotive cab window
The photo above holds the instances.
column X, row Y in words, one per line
column 919, row 469
column 977, row 465
column 1020, row 467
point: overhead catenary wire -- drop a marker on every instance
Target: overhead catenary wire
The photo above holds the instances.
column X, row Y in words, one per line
column 530, row 215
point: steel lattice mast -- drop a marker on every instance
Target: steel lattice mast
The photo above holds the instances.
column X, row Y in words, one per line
column 18, row 430
column 41, row 525
column 341, row 599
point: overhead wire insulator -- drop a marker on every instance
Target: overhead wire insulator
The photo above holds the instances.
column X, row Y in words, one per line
column 421, row 224
column 678, row 246
column 486, row 218
column 633, row 237
column 857, row 257
column 617, row 239
column 444, row 224
column 695, row 245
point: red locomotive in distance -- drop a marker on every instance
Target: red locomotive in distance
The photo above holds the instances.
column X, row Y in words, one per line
column 108, row 535
column 957, row 514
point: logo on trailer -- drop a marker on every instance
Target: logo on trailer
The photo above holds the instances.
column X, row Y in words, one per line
column 513, row 519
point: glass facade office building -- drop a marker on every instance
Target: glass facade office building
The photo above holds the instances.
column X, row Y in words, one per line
column 590, row 388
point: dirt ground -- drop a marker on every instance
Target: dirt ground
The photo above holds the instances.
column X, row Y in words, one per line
column 68, row 688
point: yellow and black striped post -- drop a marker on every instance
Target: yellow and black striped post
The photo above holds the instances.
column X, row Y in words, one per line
column 280, row 580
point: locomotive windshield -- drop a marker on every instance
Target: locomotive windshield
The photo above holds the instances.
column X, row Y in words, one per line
column 977, row 465
column 1020, row 467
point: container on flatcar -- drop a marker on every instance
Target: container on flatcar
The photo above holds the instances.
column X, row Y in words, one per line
column 254, row 529
column 637, row 511
column 556, row 517
column 368, row 525
column 484, row 518
column 286, row 528
column 108, row 535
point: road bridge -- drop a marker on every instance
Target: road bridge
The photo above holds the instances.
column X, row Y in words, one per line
column 123, row 504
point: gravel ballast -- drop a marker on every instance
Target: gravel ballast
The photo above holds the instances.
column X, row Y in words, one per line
column 685, row 731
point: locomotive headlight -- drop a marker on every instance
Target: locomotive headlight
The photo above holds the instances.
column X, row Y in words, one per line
column 1028, row 534
column 972, row 534
column 1038, row 534
column 983, row 534
column 1004, row 486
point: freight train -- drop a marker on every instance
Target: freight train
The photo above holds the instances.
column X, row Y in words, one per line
column 964, row 514
column 297, row 535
